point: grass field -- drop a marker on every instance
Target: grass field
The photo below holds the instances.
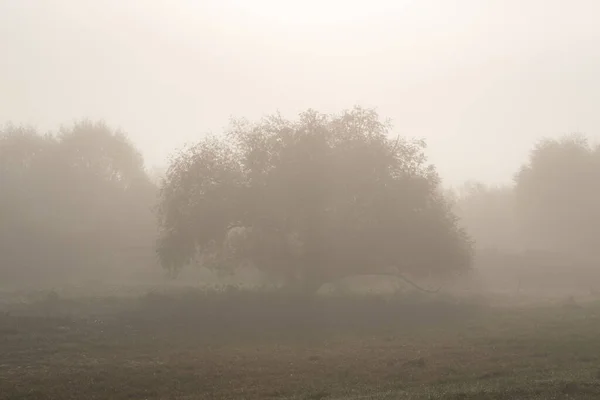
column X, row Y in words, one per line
column 266, row 346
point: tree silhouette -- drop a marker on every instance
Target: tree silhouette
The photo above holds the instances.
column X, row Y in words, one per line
column 309, row 201
column 71, row 204
column 558, row 195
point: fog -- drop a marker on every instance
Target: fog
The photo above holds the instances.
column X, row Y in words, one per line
column 384, row 199
column 480, row 81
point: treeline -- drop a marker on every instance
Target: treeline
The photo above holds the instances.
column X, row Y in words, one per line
column 306, row 201
column 553, row 204
column 73, row 204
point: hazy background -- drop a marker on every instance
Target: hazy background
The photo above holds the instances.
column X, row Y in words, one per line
column 479, row 80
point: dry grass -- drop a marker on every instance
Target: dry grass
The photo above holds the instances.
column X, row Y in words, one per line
column 243, row 345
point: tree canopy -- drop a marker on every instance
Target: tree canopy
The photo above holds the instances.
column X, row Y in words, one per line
column 558, row 193
column 72, row 201
column 309, row 201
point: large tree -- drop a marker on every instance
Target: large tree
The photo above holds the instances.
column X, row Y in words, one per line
column 309, row 201
column 558, row 195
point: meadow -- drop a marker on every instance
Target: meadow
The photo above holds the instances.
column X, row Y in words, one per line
column 238, row 344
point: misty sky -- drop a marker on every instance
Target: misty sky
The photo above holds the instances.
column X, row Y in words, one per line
column 481, row 80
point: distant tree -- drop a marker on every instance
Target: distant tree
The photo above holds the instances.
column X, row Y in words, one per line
column 558, row 195
column 73, row 202
column 157, row 174
column 22, row 178
column 309, row 201
column 488, row 215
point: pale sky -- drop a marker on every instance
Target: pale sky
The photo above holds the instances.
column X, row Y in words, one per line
column 480, row 80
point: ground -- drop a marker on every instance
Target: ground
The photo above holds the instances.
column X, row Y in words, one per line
column 142, row 349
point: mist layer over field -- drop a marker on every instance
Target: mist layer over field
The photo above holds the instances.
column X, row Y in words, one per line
column 327, row 200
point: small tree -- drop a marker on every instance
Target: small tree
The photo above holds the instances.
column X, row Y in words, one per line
column 309, row 201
